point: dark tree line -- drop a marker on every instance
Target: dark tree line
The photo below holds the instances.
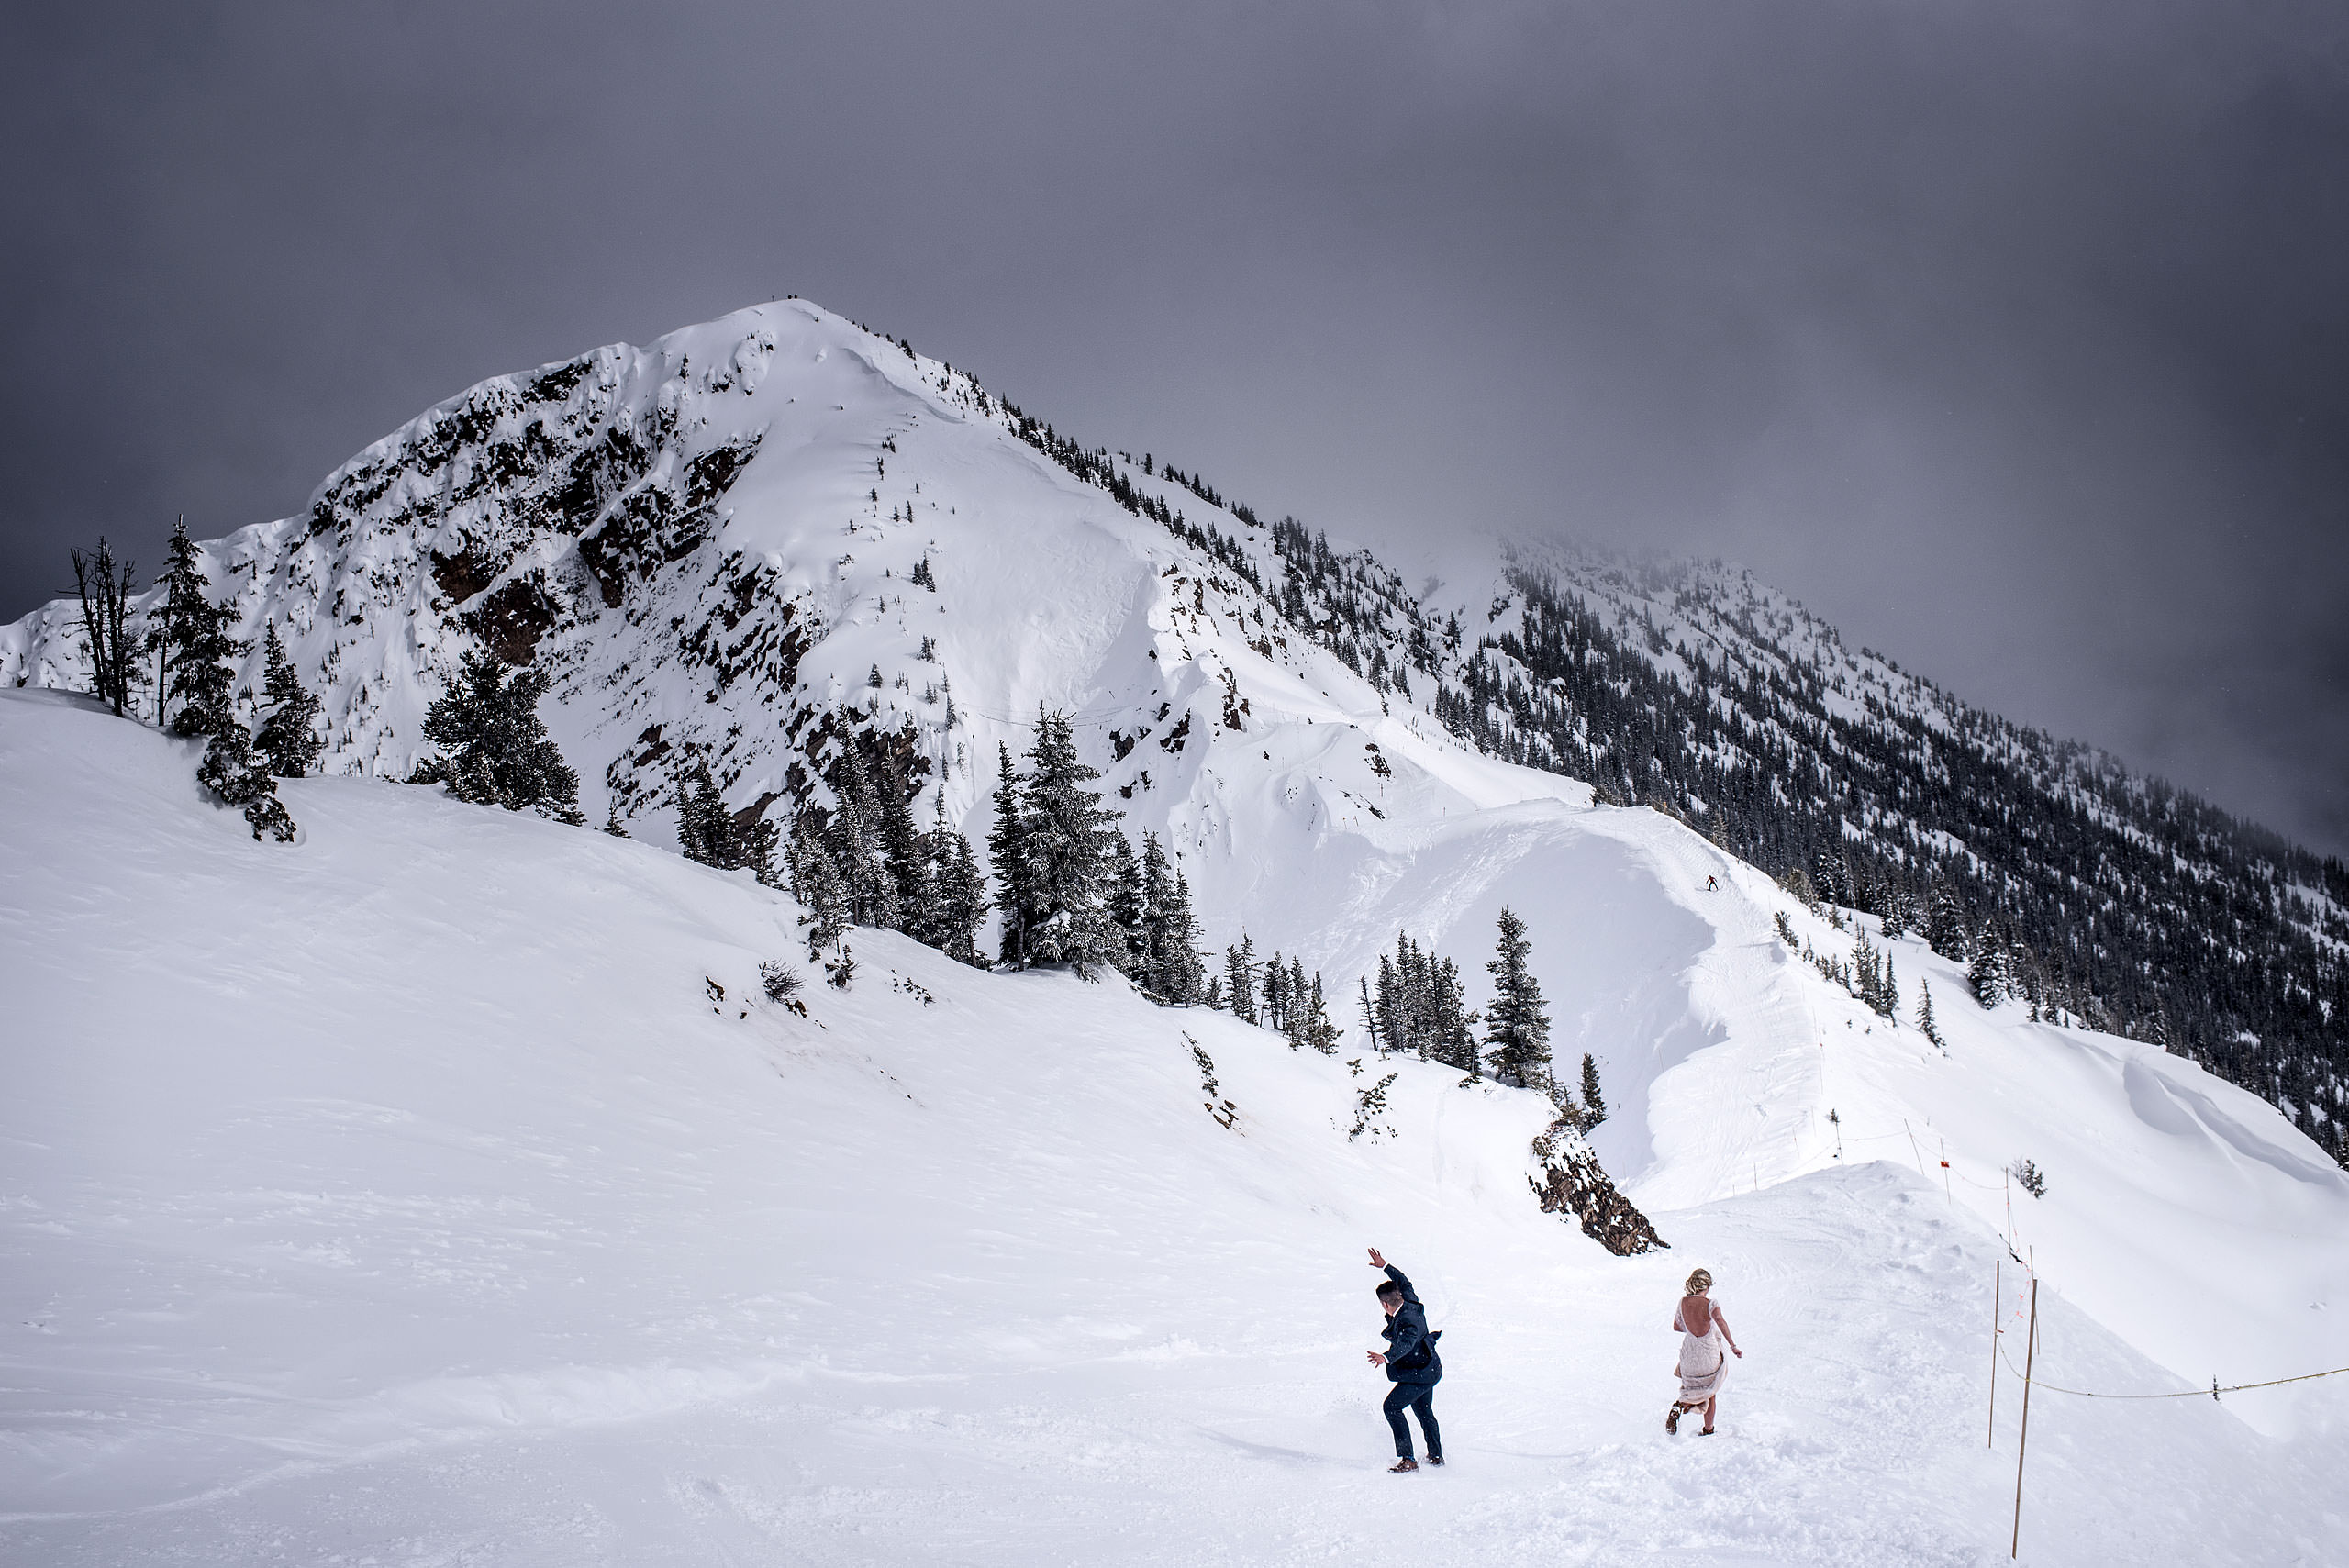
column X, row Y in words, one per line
column 1069, row 885
column 197, row 652
column 1420, row 1005
column 2092, row 896
column 1067, row 882
column 864, row 863
column 1274, row 994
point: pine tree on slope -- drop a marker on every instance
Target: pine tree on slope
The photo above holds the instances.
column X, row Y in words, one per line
column 288, row 734
column 901, row 844
column 1008, row 851
column 194, row 636
column 1945, row 928
column 1067, row 837
column 1309, row 1024
column 1179, row 974
column 494, row 745
column 704, row 831
column 1927, row 1024
column 710, row 834
column 960, row 891
column 231, row 770
column 1594, row 1109
column 190, row 634
column 1517, row 1030
column 1274, row 1000
column 816, row 883
column 1986, row 975
column 1151, row 894
column 1453, row 1037
column 1240, row 979
column 1129, row 910
column 859, row 839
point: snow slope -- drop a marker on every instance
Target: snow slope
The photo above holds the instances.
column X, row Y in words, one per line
column 422, row 1157
column 413, row 1195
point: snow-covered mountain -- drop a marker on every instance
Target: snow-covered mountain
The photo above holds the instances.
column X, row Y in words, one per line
column 720, row 541
column 448, row 1155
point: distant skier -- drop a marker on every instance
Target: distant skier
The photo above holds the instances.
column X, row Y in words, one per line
column 1712, row 884
column 1704, row 1365
column 1411, row 1363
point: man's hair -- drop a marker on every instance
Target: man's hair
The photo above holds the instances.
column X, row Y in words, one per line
column 1390, row 1291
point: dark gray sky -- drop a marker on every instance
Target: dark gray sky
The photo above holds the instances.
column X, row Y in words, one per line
column 2013, row 336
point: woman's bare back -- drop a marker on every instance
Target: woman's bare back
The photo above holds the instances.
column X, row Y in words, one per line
column 1695, row 1316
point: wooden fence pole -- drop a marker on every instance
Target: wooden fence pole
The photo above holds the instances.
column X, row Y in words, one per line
column 2014, row 1547
column 1998, row 1310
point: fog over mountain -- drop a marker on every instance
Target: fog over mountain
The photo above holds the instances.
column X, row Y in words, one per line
column 2007, row 338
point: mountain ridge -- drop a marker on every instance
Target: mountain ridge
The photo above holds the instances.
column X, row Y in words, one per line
column 711, row 576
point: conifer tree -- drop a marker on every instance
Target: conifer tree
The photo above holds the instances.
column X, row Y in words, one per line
column 1946, row 930
column 1171, row 937
column 1274, row 999
column 1240, row 979
column 1386, row 1009
column 704, row 831
column 612, row 820
column 1129, row 908
column 1517, row 1029
column 1454, row 1040
column 190, row 636
column 231, row 770
column 1927, row 1024
column 1986, row 975
column 1007, row 850
column 1067, row 837
column 288, row 734
column 494, row 745
column 1152, row 892
column 1182, row 968
column 192, row 633
column 1594, row 1109
column 901, row 843
column 860, row 843
column 1309, row 1024
column 960, row 892
column 816, row 883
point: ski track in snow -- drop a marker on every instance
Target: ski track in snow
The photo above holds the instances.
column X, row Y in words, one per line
column 404, row 1197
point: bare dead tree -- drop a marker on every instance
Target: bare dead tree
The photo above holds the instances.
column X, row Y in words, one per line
column 105, row 586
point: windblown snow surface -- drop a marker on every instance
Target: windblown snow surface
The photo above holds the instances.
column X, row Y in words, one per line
column 442, row 1188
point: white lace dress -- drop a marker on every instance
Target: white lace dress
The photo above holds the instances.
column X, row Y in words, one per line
column 1704, row 1358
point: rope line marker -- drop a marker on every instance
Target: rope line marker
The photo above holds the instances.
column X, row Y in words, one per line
column 2213, row 1391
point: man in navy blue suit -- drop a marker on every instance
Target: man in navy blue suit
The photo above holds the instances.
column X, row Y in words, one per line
column 1411, row 1364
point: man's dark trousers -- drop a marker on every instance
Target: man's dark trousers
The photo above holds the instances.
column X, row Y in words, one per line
column 1419, row 1399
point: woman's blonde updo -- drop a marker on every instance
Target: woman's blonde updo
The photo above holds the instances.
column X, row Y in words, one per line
column 1701, row 1282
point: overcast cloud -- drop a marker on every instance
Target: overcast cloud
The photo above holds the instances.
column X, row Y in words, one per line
column 2013, row 338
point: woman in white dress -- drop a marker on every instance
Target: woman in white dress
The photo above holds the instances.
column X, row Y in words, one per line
column 1706, row 1345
